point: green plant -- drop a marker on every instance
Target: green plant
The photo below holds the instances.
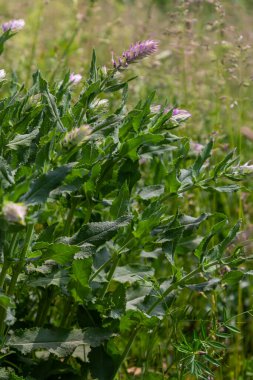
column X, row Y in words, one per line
column 98, row 252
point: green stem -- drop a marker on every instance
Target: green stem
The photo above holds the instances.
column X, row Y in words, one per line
column 44, row 306
column 180, row 282
column 126, row 351
column 66, row 229
column 15, row 273
column 4, row 271
column 100, row 269
column 18, row 267
column 7, row 255
column 111, row 272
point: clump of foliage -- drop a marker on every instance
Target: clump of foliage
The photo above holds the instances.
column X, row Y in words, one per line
column 99, row 259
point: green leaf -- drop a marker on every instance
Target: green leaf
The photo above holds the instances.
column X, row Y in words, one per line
column 223, row 164
column 93, row 68
column 130, row 147
column 201, row 250
column 63, row 253
column 233, row 329
column 23, row 140
column 59, row 342
column 41, row 188
column 150, row 192
column 97, row 233
column 224, row 189
column 81, row 270
column 5, row 172
column 131, row 274
column 120, row 203
column 173, row 181
column 233, row 277
column 212, row 360
column 201, row 159
column 5, row 301
column 59, row 279
column 217, row 345
column 101, row 365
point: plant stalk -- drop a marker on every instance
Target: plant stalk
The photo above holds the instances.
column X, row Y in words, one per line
column 110, row 275
column 18, row 267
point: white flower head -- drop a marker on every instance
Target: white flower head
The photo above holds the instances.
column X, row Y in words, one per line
column 2, row 74
column 15, row 212
column 13, row 25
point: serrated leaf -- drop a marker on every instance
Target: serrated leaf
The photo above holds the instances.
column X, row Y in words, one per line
column 59, row 279
column 131, row 274
column 60, row 342
column 62, row 253
column 23, row 140
column 41, row 188
column 97, row 233
column 150, row 192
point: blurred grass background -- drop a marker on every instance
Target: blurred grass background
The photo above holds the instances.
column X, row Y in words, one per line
column 204, row 65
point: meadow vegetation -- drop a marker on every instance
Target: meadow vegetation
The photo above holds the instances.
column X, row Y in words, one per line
column 126, row 186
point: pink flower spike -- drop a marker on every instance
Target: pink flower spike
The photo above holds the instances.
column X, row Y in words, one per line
column 135, row 53
column 75, row 78
column 13, row 25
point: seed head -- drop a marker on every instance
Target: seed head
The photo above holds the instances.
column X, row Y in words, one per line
column 77, row 136
column 75, row 78
column 13, row 25
column 135, row 53
column 15, row 212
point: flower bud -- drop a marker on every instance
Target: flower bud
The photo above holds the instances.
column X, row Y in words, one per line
column 75, row 78
column 77, row 136
column 15, row 212
column 2, row 74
